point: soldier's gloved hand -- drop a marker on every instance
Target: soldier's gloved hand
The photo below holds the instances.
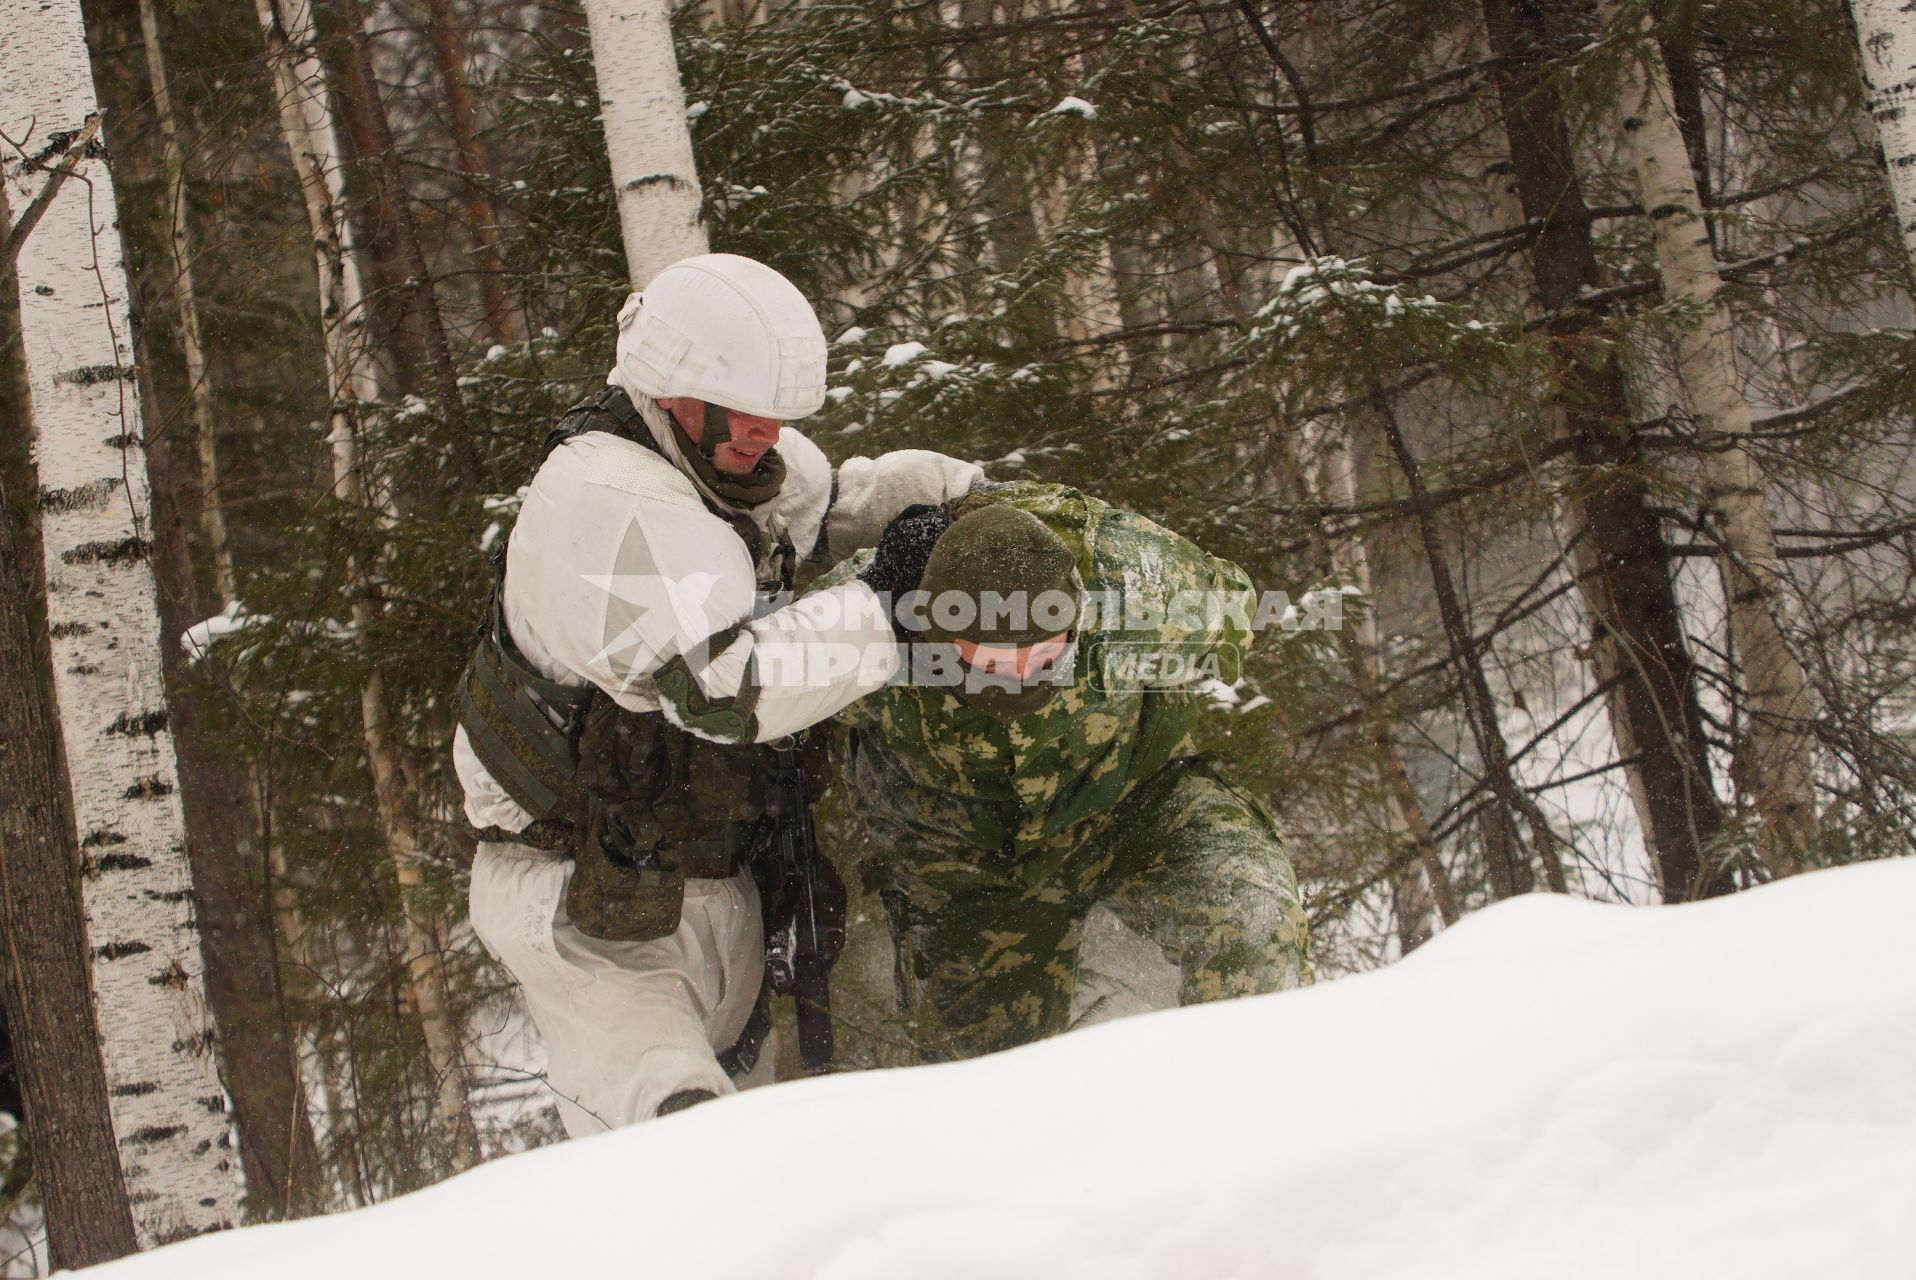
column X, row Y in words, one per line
column 898, row 562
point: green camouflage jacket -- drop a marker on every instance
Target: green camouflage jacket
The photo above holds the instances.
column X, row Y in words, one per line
column 926, row 769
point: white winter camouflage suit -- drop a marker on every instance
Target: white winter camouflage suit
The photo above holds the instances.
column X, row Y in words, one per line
column 614, row 566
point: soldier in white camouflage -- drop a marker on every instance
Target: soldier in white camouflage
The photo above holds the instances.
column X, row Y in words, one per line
column 1058, row 772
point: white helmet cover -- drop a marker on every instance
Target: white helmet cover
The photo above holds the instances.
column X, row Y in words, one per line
column 727, row 329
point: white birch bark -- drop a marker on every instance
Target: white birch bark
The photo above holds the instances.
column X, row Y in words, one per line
column 306, row 117
column 653, row 171
column 199, row 392
column 1773, row 757
column 1886, row 32
column 169, row 1109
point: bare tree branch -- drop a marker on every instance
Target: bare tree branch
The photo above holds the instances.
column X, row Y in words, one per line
column 75, row 150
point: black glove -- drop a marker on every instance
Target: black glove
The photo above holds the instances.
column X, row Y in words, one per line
column 904, row 546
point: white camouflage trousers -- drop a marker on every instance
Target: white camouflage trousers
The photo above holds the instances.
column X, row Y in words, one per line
column 626, row 1024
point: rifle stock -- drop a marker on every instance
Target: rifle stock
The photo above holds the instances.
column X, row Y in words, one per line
column 802, row 939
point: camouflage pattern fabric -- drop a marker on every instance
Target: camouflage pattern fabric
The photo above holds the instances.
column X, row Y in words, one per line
column 988, row 959
column 993, row 838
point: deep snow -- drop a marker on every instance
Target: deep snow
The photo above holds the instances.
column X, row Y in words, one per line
column 1552, row 1089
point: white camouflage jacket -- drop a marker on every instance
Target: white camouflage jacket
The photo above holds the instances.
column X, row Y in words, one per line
column 616, row 567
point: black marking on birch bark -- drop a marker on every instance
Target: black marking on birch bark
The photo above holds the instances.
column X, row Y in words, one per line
column 176, row 895
column 83, row 498
column 92, row 375
column 141, row 1197
column 214, row 1102
column 84, row 669
column 198, row 1044
column 200, row 1148
column 120, row 950
column 62, row 630
column 1663, row 211
column 148, row 1135
column 139, row 1090
column 144, row 725
column 59, row 143
column 654, row 179
column 148, row 789
column 93, row 868
column 123, row 441
column 44, row 290
column 101, row 836
column 125, row 551
column 174, row 976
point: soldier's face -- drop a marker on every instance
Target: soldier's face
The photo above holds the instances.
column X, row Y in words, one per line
column 1020, row 662
column 750, row 440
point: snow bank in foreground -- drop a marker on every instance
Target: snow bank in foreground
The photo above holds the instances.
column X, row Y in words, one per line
column 1552, row 1089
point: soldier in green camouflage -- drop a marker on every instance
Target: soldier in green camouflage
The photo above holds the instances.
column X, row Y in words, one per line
column 1040, row 761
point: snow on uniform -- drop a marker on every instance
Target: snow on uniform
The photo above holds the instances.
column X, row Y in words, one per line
column 994, row 838
column 616, row 571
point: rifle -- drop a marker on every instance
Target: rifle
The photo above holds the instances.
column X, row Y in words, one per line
column 807, row 931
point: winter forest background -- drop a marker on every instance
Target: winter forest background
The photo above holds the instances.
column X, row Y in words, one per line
column 1561, row 349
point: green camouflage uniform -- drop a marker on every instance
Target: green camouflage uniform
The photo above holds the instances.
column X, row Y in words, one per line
column 994, row 838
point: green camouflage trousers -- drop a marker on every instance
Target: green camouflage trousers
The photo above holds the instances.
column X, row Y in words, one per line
column 988, row 946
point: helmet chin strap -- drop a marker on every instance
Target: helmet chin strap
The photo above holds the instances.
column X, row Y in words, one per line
column 718, row 428
column 742, row 492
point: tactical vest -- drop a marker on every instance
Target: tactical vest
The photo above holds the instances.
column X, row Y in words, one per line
column 641, row 803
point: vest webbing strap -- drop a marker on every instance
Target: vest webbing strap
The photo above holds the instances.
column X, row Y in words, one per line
column 591, row 414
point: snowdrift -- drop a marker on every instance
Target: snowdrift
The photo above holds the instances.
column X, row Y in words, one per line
column 1552, row 1089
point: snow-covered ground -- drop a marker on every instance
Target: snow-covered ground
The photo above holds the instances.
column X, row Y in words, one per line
column 1552, row 1089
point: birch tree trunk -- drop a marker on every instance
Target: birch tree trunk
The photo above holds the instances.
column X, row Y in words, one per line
column 1618, row 550
column 168, row 1107
column 1773, row 756
column 306, row 117
column 54, row 1041
column 1886, row 33
column 653, row 171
